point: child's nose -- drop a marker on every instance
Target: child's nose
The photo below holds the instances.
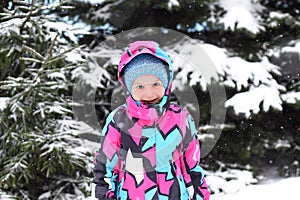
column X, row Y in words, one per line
column 148, row 95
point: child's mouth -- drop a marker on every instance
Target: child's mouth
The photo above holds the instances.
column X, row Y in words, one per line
column 150, row 102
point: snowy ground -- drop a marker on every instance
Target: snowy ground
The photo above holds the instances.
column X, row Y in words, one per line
column 279, row 189
column 275, row 190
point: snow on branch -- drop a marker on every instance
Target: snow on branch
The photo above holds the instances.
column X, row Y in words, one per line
column 295, row 48
column 254, row 82
column 10, row 26
column 291, row 97
column 94, row 71
column 257, row 76
column 239, row 72
column 3, row 101
column 249, row 19
column 250, row 101
column 104, row 13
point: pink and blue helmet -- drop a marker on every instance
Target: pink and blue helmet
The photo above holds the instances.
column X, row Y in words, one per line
column 144, row 49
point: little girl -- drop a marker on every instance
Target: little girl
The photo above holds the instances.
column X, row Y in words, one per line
column 149, row 147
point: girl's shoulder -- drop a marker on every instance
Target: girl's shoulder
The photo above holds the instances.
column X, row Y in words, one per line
column 116, row 111
column 120, row 108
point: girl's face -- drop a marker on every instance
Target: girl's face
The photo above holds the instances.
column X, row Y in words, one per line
column 148, row 89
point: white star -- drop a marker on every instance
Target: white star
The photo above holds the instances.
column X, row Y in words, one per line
column 134, row 166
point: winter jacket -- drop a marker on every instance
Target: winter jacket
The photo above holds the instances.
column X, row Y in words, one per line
column 149, row 152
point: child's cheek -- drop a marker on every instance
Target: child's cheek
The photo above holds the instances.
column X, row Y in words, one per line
column 136, row 95
column 161, row 93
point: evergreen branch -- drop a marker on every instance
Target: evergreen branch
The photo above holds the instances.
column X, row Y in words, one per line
column 45, row 59
column 14, row 15
column 6, row 18
column 66, row 68
column 21, row 2
column 62, row 54
column 49, row 53
column 17, row 163
column 25, row 8
column 34, row 52
column 54, row 59
column 7, row 14
column 5, row 10
column 67, row 7
column 33, row 11
column 59, row 5
column 31, row 60
column 28, row 17
column 15, row 82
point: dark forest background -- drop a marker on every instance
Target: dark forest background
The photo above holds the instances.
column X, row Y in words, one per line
column 41, row 154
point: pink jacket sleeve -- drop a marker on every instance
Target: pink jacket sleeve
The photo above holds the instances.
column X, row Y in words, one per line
column 191, row 157
column 107, row 160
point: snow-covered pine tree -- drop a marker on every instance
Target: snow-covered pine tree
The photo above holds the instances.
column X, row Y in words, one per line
column 263, row 94
column 41, row 154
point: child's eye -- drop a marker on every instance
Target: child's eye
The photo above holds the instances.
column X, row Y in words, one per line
column 156, row 84
column 139, row 87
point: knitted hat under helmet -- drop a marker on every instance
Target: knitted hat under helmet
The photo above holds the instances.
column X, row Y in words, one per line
column 145, row 64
